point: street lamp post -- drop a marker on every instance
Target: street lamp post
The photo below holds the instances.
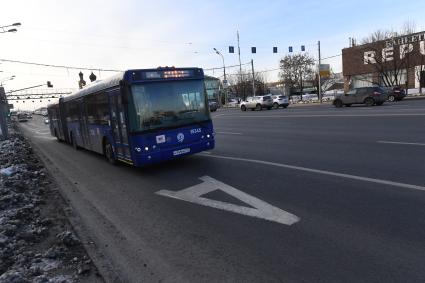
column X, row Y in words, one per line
column 9, row 28
column 225, row 79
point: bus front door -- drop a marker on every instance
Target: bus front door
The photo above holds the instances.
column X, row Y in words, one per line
column 119, row 127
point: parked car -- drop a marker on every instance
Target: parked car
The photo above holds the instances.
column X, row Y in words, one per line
column 395, row 93
column 213, row 105
column 257, row 103
column 233, row 102
column 280, row 101
column 22, row 117
column 363, row 95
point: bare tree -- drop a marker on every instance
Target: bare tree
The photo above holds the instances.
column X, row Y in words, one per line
column 377, row 35
column 408, row 27
column 241, row 84
column 296, row 69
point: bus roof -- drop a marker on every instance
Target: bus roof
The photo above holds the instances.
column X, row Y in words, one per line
column 128, row 75
column 97, row 86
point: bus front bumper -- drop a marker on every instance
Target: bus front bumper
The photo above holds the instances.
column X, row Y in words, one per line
column 164, row 154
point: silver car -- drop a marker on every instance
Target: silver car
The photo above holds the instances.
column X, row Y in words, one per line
column 280, row 101
column 362, row 95
column 257, row 103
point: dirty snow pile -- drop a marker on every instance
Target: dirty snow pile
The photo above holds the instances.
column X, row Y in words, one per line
column 36, row 240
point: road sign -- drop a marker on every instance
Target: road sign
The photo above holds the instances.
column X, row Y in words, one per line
column 324, row 70
column 255, row 207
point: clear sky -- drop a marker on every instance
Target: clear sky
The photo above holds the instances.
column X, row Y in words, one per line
column 142, row 34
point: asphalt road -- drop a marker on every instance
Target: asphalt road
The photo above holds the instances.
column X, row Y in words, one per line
column 304, row 194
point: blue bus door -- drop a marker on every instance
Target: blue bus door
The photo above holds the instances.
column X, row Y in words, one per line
column 118, row 126
column 85, row 139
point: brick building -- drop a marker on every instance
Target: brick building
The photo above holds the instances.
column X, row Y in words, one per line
column 394, row 61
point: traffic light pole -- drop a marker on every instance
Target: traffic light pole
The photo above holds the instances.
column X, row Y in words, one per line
column 320, row 81
column 253, row 77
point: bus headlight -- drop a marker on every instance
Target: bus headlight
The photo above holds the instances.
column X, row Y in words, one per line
column 138, row 149
column 208, row 136
column 146, row 148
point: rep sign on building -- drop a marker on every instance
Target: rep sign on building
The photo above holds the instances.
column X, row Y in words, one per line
column 395, row 61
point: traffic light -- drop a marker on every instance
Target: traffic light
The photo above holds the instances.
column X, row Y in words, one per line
column 290, row 48
column 49, row 84
column 302, row 48
column 274, row 49
column 253, row 49
column 231, row 49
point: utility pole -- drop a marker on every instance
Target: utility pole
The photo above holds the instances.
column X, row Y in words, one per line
column 253, row 77
column 320, row 83
column 242, row 84
column 239, row 54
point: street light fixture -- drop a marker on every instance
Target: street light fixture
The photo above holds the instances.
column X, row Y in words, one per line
column 4, row 30
column 225, row 79
column 6, row 79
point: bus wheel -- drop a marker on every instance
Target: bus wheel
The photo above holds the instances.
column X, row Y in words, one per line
column 57, row 137
column 109, row 153
column 74, row 142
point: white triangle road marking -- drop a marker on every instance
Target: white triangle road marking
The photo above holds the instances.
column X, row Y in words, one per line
column 261, row 209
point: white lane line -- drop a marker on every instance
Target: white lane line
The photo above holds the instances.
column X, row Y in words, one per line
column 258, row 209
column 324, row 172
column 326, row 115
column 218, row 115
column 406, row 143
column 228, row 133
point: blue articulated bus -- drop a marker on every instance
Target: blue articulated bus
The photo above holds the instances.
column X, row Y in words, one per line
column 138, row 117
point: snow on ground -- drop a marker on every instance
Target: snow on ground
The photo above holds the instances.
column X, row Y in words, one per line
column 37, row 243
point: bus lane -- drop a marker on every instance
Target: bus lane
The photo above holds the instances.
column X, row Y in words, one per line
column 200, row 232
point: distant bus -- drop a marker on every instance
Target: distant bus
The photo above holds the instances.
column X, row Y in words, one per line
column 138, row 117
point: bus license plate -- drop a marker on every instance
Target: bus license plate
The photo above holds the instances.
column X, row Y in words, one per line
column 181, row 151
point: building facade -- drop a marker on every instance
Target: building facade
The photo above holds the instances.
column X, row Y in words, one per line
column 397, row 61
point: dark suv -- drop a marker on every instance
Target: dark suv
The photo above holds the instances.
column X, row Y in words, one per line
column 395, row 93
column 362, row 95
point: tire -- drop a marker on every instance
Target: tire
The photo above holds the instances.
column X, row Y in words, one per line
column 338, row 103
column 369, row 102
column 275, row 105
column 109, row 153
column 74, row 142
column 243, row 108
column 258, row 107
column 391, row 98
column 57, row 137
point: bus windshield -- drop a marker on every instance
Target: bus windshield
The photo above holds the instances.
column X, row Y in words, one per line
column 160, row 105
